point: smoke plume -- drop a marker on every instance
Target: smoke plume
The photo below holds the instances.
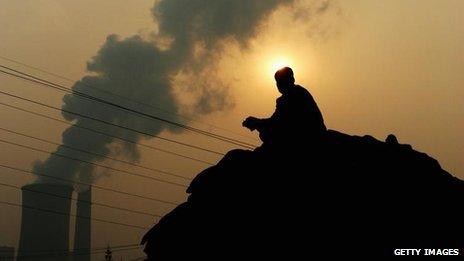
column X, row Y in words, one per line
column 188, row 40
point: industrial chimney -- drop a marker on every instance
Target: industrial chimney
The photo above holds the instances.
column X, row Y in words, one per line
column 82, row 231
column 45, row 222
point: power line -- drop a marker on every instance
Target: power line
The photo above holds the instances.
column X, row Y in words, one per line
column 95, row 154
column 104, row 134
column 93, row 163
column 38, row 80
column 79, row 200
column 35, row 173
column 112, row 124
column 124, row 97
column 72, row 215
column 74, row 253
column 77, row 249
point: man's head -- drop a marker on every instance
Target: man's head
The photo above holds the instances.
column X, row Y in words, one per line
column 284, row 79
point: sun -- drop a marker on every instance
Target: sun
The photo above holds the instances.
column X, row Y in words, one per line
column 269, row 62
column 280, row 62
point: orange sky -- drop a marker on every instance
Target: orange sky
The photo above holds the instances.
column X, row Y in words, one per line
column 374, row 67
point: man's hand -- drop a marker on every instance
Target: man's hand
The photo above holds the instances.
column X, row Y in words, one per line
column 251, row 123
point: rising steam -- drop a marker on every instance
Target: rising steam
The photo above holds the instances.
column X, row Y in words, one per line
column 188, row 40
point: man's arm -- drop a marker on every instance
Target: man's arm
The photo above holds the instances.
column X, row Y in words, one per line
column 254, row 123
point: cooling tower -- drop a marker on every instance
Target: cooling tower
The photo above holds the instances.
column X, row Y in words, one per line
column 82, row 232
column 45, row 234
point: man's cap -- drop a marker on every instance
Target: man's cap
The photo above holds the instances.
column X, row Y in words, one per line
column 284, row 74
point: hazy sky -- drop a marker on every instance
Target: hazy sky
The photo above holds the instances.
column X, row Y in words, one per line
column 374, row 67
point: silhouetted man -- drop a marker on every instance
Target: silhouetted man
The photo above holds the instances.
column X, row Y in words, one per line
column 296, row 117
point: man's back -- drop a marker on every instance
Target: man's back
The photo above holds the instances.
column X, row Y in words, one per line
column 296, row 110
column 296, row 117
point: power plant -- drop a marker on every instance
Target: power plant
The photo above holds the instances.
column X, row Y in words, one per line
column 45, row 223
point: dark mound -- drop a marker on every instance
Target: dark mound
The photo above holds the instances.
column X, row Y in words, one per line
column 334, row 195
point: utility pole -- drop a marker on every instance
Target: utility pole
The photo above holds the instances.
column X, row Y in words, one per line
column 108, row 254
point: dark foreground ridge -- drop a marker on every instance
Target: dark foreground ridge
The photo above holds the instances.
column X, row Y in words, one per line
column 338, row 195
column 310, row 191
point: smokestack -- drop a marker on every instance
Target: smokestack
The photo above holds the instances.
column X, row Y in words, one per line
column 82, row 232
column 45, row 234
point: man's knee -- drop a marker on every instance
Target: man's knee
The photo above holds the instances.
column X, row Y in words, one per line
column 235, row 155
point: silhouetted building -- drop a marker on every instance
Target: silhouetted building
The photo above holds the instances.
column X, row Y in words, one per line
column 45, row 231
column 7, row 253
column 82, row 232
